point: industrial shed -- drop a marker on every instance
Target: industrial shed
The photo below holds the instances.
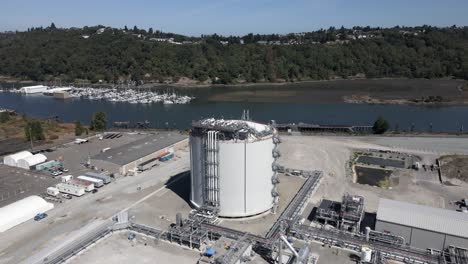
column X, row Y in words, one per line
column 423, row 226
column 127, row 157
column 22, row 211
column 28, row 162
column 12, row 160
column 33, row 89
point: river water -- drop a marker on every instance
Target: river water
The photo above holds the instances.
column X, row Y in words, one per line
column 443, row 118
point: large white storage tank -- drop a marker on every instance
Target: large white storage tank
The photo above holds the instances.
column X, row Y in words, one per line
column 12, row 160
column 232, row 167
column 30, row 161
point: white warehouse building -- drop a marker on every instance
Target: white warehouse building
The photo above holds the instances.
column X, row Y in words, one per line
column 22, row 211
column 33, row 89
column 27, row 162
column 232, row 167
column 12, row 160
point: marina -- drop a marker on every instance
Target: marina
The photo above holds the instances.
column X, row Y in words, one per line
column 129, row 95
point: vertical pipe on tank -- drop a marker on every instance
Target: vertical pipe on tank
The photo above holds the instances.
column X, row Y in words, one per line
column 210, row 171
column 216, row 178
column 207, row 167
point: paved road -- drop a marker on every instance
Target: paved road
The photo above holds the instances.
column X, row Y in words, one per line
column 30, row 237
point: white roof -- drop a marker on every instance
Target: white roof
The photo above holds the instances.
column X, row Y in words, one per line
column 59, row 89
column 22, row 211
column 33, row 87
column 34, row 160
column 86, row 178
column 20, row 155
column 423, row 217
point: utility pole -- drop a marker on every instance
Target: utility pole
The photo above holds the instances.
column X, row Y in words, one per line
column 30, row 137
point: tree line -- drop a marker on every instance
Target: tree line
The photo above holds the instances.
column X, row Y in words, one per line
column 80, row 54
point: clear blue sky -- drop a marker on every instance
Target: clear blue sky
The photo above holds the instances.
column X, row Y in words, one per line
column 195, row 17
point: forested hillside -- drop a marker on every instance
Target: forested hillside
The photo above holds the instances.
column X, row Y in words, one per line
column 110, row 54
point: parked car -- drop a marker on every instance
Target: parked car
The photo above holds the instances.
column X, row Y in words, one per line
column 94, row 191
column 40, row 216
column 66, row 196
column 131, row 236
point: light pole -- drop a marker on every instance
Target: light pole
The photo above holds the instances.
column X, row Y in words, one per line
column 30, row 137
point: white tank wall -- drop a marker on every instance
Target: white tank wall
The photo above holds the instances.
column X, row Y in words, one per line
column 245, row 172
column 232, row 179
column 259, row 173
column 196, row 161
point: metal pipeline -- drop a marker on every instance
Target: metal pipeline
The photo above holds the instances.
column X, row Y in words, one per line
column 285, row 240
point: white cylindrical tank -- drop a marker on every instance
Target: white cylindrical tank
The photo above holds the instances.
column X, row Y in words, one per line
column 366, row 255
column 232, row 166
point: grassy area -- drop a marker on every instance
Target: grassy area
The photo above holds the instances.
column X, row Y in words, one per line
column 384, row 184
column 14, row 128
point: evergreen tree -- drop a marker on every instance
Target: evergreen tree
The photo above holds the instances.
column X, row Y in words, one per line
column 99, row 121
column 33, row 131
column 4, row 117
column 380, row 126
column 79, row 129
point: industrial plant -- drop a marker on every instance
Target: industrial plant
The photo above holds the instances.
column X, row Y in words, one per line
column 229, row 191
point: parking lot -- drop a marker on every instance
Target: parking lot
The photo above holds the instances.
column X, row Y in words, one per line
column 75, row 156
column 16, row 184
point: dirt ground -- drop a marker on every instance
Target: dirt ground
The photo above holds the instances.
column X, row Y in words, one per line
column 454, row 167
column 391, row 91
column 118, row 249
column 331, row 154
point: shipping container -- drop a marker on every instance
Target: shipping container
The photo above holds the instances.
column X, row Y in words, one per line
column 166, row 157
column 52, row 191
column 105, row 179
column 86, row 185
column 148, row 164
column 97, row 182
column 71, row 189
column 49, row 164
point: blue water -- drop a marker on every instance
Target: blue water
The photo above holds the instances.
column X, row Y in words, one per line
column 443, row 119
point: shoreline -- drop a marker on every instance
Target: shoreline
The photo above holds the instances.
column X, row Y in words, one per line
column 377, row 91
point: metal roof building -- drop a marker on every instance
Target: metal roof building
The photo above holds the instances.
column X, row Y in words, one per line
column 129, row 156
column 423, row 226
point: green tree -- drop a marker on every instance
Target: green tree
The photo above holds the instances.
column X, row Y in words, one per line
column 79, row 129
column 4, row 117
column 99, row 121
column 33, row 131
column 52, row 26
column 380, row 126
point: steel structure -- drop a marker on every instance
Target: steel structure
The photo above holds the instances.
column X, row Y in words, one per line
column 199, row 227
column 351, row 212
